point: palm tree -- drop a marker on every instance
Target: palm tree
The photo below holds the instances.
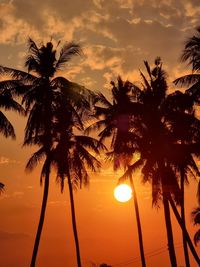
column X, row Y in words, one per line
column 185, row 128
column 196, row 220
column 154, row 130
column 191, row 55
column 73, row 154
column 42, row 88
column 114, row 118
column 149, row 133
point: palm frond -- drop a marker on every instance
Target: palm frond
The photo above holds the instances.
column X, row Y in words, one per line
column 6, row 127
column 131, row 169
column 187, row 80
column 196, row 216
column 156, row 188
column 96, row 126
column 148, row 70
column 15, row 87
column 88, row 158
column 100, row 98
column 35, row 159
column 17, row 74
column 67, row 52
column 1, row 188
column 8, row 103
column 197, row 237
column 146, row 83
column 90, row 143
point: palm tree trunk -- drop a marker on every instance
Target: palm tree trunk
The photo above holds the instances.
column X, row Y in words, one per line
column 172, row 254
column 187, row 260
column 187, row 237
column 168, row 223
column 74, row 220
column 138, row 224
column 42, row 216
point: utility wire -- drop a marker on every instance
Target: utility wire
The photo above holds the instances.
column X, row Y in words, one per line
column 149, row 254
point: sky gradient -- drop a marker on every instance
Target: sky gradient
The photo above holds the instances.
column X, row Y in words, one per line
column 116, row 36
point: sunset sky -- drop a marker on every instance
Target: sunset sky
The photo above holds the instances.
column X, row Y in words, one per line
column 116, row 36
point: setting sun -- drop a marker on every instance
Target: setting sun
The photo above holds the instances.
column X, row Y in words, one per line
column 123, row 193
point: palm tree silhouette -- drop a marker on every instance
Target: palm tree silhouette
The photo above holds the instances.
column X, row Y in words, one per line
column 114, row 119
column 196, row 220
column 155, row 139
column 191, row 55
column 73, row 154
column 41, row 89
column 148, row 136
column 185, row 128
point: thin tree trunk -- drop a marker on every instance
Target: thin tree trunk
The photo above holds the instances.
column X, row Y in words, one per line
column 168, row 223
column 74, row 221
column 138, row 224
column 187, row 260
column 172, row 254
column 178, row 217
column 42, row 216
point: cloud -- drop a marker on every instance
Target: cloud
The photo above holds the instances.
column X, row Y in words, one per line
column 7, row 236
column 117, row 35
column 6, row 161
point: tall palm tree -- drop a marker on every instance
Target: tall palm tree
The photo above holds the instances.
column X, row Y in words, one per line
column 186, row 130
column 196, row 220
column 191, row 55
column 157, row 144
column 41, row 87
column 155, row 134
column 114, row 120
column 73, row 154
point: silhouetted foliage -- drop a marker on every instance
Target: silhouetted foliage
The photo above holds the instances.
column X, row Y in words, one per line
column 1, row 187
column 196, row 220
column 191, row 55
column 114, row 123
column 41, row 90
column 157, row 135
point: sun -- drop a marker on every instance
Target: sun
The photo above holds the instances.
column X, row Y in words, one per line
column 123, row 193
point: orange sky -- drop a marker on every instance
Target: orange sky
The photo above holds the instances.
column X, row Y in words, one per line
column 117, row 35
column 107, row 228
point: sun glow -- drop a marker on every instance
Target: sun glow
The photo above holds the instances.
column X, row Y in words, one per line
column 123, row 193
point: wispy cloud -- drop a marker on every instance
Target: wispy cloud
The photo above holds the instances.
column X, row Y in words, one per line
column 5, row 160
column 4, row 236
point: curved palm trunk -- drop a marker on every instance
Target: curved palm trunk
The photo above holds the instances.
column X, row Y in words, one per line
column 74, row 221
column 170, row 239
column 138, row 224
column 42, row 215
column 187, row 260
column 187, row 237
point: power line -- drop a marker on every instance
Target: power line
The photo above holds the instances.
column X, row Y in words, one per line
column 150, row 254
